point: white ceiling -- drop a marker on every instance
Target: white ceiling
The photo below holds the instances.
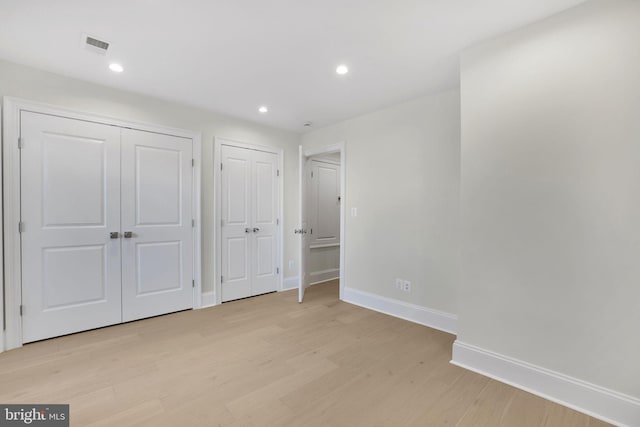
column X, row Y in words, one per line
column 233, row 56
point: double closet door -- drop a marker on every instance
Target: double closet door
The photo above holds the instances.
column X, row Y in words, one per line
column 249, row 255
column 106, row 217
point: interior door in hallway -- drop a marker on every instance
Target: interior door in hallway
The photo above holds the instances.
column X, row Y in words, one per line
column 70, row 205
column 157, row 244
column 249, row 202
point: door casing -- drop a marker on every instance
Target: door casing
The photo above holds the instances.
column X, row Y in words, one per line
column 11, row 336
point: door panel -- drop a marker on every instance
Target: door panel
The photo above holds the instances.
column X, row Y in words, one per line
column 157, row 260
column 64, row 182
column 158, row 170
column 238, row 251
column 160, row 267
column 70, row 185
column 265, row 248
column 61, row 276
column 303, row 247
column 236, row 226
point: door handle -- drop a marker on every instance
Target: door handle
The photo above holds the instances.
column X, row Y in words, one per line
column 247, row 230
column 128, row 234
column 114, row 235
column 255, row 229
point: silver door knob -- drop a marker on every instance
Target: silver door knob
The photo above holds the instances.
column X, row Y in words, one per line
column 247, row 230
column 114, row 235
column 255, row 230
column 128, row 234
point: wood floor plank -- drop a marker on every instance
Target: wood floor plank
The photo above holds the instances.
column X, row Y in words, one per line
column 269, row 361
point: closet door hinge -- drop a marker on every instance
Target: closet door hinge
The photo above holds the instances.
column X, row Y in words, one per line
column 220, row 166
column 20, row 143
column 193, row 283
column 311, row 174
column 277, row 221
column 20, row 227
column 21, row 309
column 193, row 162
column 221, row 279
column 278, row 172
column 193, row 223
column 277, row 270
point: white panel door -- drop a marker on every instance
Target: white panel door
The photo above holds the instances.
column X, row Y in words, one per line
column 249, row 222
column 324, row 203
column 157, row 244
column 70, row 185
column 237, row 229
column 264, row 221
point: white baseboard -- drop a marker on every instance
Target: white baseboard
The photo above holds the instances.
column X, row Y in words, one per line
column 598, row 402
column 208, row 299
column 290, row 283
column 324, row 276
column 414, row 313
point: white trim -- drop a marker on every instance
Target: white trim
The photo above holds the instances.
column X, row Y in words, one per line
column 208, row 299
column 322, row 276
column 217, row 229
column 341, row 148
column 2, row 324
column 197, row 217
column 11, row 202
column 290, row 283
column 598, row 402
column 324, row 245
column 435, row 319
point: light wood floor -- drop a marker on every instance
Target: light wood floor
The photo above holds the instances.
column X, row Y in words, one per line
column 268, row 361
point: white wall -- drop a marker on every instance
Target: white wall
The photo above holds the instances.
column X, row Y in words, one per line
column 402, row 173
column 28, row 83
column 551, row 195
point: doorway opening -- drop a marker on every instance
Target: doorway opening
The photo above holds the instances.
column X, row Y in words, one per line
column 321, row 218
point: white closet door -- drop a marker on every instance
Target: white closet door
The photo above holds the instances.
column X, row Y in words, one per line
column 264, row 221
column 70, row 174
column 249, row 222
column 237, row 230
column 157, row 257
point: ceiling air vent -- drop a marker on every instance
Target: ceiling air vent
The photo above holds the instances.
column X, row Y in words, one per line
column 94, row 44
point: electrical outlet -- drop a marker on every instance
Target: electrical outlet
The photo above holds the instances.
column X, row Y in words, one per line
column 406, row 286
column 399, row 284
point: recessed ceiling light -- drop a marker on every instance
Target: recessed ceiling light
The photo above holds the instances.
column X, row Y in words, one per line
column 116, row 68
column 263, row 109
column 342, row 69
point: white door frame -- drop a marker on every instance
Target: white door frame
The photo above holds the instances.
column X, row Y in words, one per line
column 306, row 153
column 216, row 298
column 12, row 335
